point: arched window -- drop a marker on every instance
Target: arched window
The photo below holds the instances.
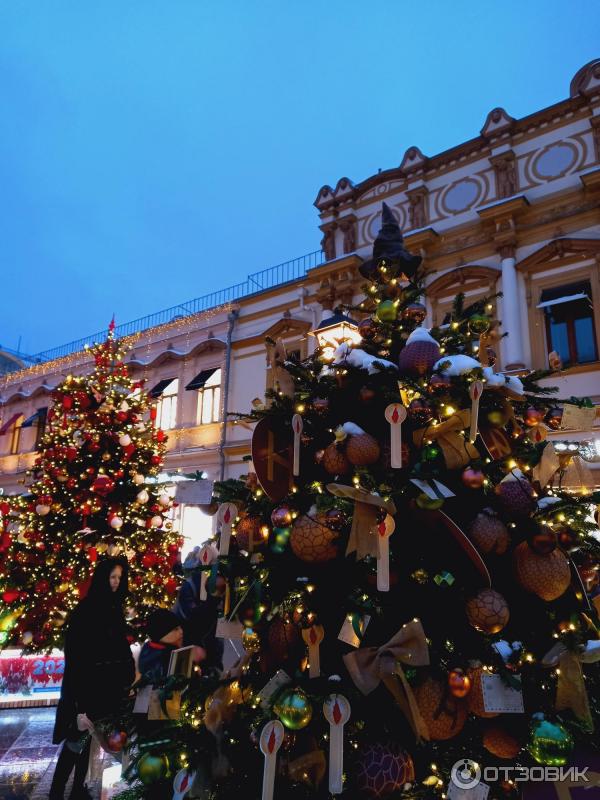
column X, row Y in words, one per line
column 475, row 282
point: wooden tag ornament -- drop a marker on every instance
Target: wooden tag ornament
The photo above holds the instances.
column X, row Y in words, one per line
column 313, row 637
column 271, row 739
column 226, row 516
column 395, row 414
column 336, row 709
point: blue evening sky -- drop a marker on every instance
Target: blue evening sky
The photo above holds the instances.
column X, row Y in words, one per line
column 154, row 150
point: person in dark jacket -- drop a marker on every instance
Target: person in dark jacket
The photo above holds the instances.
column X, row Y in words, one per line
column 99, row 669
column 165, row 635
column 199, row 619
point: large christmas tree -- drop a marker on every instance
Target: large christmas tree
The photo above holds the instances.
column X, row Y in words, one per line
column 88, row 497
column 410, row 582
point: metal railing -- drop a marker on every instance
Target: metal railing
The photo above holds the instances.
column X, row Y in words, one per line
column 254, row 283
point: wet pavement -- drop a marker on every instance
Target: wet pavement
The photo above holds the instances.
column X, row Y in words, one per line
column 27, row 755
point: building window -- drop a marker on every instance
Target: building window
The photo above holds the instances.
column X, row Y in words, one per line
column 569, row 319
column 40, row 429
column 15, row 436
column 209, row 399
column 166, row 407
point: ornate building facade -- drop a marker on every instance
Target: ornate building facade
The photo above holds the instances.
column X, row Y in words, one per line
column 515, row 209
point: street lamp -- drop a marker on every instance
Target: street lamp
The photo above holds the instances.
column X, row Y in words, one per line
column 334, row 331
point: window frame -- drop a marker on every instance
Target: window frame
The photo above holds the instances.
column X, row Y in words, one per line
column 553, row 277
column 15, row 436
column 173, row 405
column 212, row 390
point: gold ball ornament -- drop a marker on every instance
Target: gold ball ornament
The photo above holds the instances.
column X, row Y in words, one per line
column 312, row 540
column 443, row 714
column 459, row 683
column 250, row 640
column 487, row 611
column 294, row 709
column 548, row 576
column 489, row 534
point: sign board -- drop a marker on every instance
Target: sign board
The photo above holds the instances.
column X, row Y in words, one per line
column 194, row 493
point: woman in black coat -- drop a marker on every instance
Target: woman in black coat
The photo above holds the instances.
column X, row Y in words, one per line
column 99, row 669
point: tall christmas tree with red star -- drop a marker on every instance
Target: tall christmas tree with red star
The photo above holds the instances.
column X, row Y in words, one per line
column 89, row 498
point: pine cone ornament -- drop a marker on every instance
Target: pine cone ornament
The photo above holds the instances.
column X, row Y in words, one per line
column 475, row 696
column 500, row 743
column 443, row 714
column 420, row 353
column 489, row 534
column 487, row 611
column 312, row 540
column 361, row 448
column 383, row 769
column 515, row 495
column 335, row 461
column 548, row 576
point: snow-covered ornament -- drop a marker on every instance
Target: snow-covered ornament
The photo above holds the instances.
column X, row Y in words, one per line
column 116, row 522
column 42, row 509
column 164, row 499
column 420, row 353
column 125, row 440
column 138, row 479
column 360, row 360
column 361, row 448
column 143, row 496
column 453, row 366
column 156, row 521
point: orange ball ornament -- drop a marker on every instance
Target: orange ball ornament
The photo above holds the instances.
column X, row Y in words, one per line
column 312, row 540
column 459, row 683
column 487, row 611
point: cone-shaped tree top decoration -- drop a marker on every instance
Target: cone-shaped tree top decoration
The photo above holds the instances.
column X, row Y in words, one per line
column 389, row 247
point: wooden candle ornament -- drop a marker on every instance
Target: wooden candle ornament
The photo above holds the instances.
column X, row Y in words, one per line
column 297, row 426
column 336, row 709
column 395, row 414
column 207, row 555
column 226, row 515
column 313, row 637
column 384, row 530
column 475, row 392
column 271, row 739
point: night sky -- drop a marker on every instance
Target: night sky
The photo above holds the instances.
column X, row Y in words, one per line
column 151, row 152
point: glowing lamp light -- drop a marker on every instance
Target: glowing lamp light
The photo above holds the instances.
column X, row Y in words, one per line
column 334, row 331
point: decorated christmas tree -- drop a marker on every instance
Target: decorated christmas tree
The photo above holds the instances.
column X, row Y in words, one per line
column 88, row 497
column 410, row 581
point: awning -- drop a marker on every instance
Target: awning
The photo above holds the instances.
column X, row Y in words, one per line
column 160, row 387
column 9, row 423
column 201, row 378
column 39, row 416
column 569, row 298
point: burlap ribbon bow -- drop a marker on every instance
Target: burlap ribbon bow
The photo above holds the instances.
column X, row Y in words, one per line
column 457, row 449
column 570, row 689
column 369, row 666
column 362, row 539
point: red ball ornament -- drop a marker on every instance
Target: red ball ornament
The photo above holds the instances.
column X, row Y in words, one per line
column 543, row 540
column 71, row 453
column 121, row 416
column 419, row 411
column 42, row 587
column 532, row 417
column 156, row 459
column 438, row 384
column 554, row 418
column 103, row 485
column 281, row 517
column 67, row 402
column 320, row 405
column 116, row 741
column 420, row 353
column 473, row 478
column 415, row 312
column 459, row 683
column 10, row 595
column 367, row 328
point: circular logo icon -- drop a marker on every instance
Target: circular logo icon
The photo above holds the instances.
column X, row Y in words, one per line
column 465, row 773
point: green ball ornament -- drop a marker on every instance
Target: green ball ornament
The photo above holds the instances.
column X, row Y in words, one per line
column 479, row 323
column 550, row 744
column 497, row 418
column 429, row 503
column 386, row 311
column 430, row 452
column 294, row 709
column 152, row 769
column 281, row 537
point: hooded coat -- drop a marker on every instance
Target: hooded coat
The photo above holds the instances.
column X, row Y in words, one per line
column 99, row 667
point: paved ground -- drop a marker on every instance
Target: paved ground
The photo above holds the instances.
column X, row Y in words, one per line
column 27, row 755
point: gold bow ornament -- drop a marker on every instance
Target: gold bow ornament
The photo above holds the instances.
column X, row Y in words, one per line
column 364, row 519
column 570, row 689
column 456, row 448
column 370, row 666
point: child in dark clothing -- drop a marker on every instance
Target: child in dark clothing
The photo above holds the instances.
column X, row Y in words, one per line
column 199, row 620
column 165, row 635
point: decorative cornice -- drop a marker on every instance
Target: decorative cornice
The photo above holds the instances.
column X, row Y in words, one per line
column 560, row 248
